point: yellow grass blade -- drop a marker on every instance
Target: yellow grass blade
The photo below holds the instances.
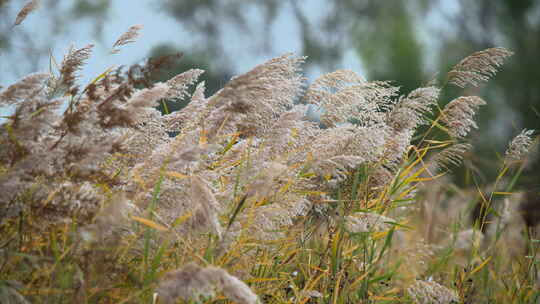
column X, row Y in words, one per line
column 424, row 179
column 379, row 235
column 480, row 266
column 176, row 174
column 433, row 141
column 149, row 223
column 203, row 139
column 259, row 280
column 285, row 187
column 336, row 290
column 379, row 298
column 357, row 281
column 102, row 75
column 406, row 192
column 413, row 164
column 181, row 219
column 310, row 286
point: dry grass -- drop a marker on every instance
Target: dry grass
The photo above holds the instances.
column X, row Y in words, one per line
column 251, row 202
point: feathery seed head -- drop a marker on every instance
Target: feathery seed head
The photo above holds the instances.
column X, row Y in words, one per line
column 409, row 112
column 331, row 82
column 519, row 146
column 24, row 89
column 188, row 117
column 25, row 11
column 459, row 113
column 343, row 95
column 430, row 292
column 478, row 67
column 450, row 156
column 73, row 61
column 180, row 83
column 251, row 101
column 206, row 208
column 193, row 282
column 368, row 222
column 127, row 37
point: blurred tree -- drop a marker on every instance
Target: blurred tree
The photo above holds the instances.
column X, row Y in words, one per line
column 97, row 10
column 323, row 40
column 389, row 45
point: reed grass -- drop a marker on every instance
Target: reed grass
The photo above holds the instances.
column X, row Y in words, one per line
column 252, row 202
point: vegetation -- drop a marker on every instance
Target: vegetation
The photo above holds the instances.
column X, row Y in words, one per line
column 251, row 201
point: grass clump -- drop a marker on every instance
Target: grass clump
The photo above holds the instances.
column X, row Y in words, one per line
column 251, row 201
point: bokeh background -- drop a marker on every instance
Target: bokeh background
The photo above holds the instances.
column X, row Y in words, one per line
column 408, row 41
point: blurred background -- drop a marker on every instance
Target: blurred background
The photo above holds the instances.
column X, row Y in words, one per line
column 407, row 41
